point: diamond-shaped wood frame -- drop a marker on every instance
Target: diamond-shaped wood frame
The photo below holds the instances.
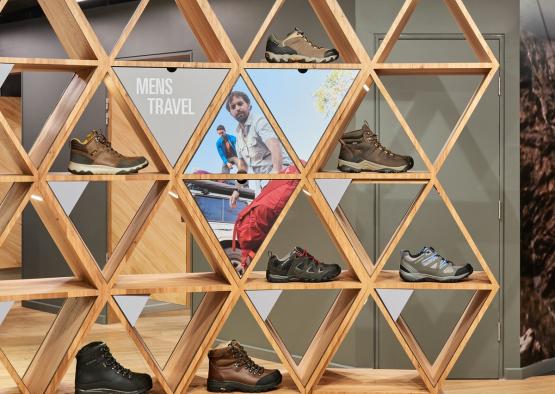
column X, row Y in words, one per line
column 90, row 289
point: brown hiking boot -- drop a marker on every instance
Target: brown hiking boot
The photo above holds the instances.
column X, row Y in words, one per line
column 95, row 155
column 297, row 48
column 231, row 369
column 361, row 151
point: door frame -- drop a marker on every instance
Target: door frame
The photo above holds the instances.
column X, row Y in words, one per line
column 500, row 38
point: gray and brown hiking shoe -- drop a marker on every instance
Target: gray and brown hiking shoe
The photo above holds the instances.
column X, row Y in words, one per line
column 428, row 266
column 297, row 48
column 299, row 266
column 95, row 155
column 362, row 151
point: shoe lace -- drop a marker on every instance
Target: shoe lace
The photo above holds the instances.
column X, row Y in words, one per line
column 372, row 137
column 111, row 362
column 303, row 35
column 101, row 139
column 243, row 358
column 443, row 261
column 304, row 253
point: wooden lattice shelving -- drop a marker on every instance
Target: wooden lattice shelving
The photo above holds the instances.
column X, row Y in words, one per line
column 91, row 289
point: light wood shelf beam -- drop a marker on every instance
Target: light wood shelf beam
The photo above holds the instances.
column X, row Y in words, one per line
column 170, row 64
column 376, row 177
column 390, row 280
column 252, row 176
column 56, row 344
column 45, row 64
column 40, row 289
column 169, row 283
column 303, row 66
column 345, row 280
column 142, row 176
column 433, row 68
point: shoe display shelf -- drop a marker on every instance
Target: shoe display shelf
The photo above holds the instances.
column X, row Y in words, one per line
column 91, row 288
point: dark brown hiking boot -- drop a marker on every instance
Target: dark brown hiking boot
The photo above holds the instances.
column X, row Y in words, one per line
column 95, row 155
column 231, row 369
column 361, row 151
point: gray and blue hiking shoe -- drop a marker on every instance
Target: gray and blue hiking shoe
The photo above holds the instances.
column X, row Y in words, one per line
column 428, row 266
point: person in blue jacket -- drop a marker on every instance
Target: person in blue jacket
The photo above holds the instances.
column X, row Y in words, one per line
column 226, row 149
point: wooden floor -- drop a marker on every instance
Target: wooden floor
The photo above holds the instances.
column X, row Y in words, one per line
column 23, row 329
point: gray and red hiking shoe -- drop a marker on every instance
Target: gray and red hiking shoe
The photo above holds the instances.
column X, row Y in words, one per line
column 299, row 266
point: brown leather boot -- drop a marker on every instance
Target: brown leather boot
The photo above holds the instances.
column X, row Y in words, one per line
column 362, row 151
column 95, row 155
column 231, row 369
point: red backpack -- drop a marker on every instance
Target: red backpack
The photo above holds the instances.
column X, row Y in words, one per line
column 255, row 220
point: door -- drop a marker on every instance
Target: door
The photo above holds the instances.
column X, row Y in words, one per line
column 471, row 177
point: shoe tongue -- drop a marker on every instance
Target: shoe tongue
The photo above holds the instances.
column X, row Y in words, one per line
column 92, row 346
column 366, row 129
column 233, row 343
column 89, row 137
column 298, row 249
column 295, row 33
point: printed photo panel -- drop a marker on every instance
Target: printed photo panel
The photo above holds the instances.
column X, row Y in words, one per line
column 303, row 101
column 240, row 140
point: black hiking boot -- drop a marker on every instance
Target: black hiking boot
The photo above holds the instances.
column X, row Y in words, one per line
column 99, row 372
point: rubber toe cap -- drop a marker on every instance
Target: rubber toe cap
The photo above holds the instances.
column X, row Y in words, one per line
column 272, row 378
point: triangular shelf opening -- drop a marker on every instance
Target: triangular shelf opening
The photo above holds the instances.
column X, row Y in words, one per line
column 335, row 309
column 60, row 45
column 224, row 215
column 173, row 311
column 301, row 14
column 303, row 225
column 412, row 13
column 445, row 235
column 459, row 312
column 303, row 111
column 199, row 39
column 240, row 138
column 434, row 107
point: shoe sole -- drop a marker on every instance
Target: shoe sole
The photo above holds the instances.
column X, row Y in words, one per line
column 108, row 391
column 94, row 169
column 227, row 386
column 365, row 165
column 277, row 58
column 273, row 278
column 417, row 277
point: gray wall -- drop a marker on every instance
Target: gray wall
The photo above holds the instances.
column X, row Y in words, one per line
column 372, row 17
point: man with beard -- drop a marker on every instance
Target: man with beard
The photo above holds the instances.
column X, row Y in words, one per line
column 258, row 147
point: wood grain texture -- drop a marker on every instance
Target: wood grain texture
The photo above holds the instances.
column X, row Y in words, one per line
column 433, row 68
column 64, row 118
column 390, row 280
column 56, row 343
column 395, row 31
column 14, row 159
column 208, row 30
column 340, row 31
column 263, row 29
column 10, row 131
column 128, row 28
column 40, row 289
column 68, row 29
column 345, row 280
column 159, row 215
column 169, row 283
